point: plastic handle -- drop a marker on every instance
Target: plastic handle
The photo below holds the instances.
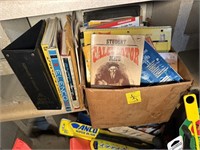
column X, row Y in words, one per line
column 191, row 107
column 192, row 113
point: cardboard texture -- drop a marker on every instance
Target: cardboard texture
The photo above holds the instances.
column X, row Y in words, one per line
column 171, row 58
column 153, row 104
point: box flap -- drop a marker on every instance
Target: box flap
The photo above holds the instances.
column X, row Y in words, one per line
column 109, row 107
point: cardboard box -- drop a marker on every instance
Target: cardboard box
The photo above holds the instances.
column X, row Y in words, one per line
column 137, row 105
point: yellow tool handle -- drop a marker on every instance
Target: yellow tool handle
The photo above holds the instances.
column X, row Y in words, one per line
column 192, row 113
column 195, row 135
column 191, row 107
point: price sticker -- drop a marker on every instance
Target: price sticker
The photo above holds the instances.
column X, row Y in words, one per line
column 133, row 97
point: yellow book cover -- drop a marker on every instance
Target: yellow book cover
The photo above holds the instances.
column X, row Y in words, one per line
column 160, row 35
column 86, row 53
column 47, row 37
column 61, row 76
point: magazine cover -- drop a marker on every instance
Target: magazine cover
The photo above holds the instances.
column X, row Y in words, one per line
column 155, row 69
column 116, row 60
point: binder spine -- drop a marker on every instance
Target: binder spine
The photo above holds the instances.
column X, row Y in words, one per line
column 49, row 64
column 26, row 58
column 60, row 78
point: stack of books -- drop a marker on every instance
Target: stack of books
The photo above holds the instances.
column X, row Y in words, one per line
column 122, row 52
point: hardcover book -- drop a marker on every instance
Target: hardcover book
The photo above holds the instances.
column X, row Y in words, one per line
column 155, row 69
column 26, row 58
column 116, row 60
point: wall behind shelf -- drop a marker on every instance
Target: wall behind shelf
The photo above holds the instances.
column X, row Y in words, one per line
column 21, row 8
column 158, row 11
column 183, row 16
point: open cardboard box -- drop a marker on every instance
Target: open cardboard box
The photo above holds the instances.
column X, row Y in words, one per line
column 154, row 104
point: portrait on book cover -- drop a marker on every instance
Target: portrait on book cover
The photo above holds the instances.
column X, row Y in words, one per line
column 116, row 60
column 111, row 73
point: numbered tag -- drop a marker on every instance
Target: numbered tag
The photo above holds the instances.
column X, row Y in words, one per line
column 133, row 97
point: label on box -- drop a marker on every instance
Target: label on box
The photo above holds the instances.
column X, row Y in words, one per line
column 133, row 97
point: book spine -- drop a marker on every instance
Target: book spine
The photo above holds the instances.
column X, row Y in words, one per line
column 49, row 64
column 70, row 47
column 60, row 78
column 129, row 22
column 71, row 80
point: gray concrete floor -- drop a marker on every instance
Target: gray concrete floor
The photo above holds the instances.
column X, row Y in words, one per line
column 37, row 139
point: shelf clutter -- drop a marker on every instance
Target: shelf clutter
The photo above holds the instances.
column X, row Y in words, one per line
column 114, row 65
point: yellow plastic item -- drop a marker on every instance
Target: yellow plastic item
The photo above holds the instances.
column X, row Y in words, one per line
column 192, row 113
column 76, row 129
column 97, row 144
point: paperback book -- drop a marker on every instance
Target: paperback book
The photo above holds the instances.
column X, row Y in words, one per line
column 116, row 60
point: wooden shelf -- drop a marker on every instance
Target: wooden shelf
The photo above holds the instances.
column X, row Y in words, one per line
column 15, row 103
column 20, row 8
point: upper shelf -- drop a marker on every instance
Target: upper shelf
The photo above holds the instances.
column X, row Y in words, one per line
column 20, row 8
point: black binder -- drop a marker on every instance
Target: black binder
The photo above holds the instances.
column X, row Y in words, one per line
column 26, row 58
column 111, row 12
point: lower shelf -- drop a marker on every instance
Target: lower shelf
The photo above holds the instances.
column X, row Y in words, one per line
column 16, row 104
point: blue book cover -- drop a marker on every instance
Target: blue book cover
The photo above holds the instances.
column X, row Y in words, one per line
column 59, row 76
column 69, row 76
column 155, row 69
